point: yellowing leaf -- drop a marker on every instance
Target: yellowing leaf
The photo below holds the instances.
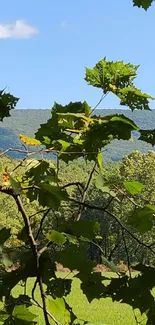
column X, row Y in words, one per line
column 5, row 179
column 29, row 141
column 112, row 87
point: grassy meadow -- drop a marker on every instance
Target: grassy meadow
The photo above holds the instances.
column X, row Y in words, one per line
column 102, row 311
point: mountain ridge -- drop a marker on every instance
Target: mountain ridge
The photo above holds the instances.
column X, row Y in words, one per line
column 27, row 121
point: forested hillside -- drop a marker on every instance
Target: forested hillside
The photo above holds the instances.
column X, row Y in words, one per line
column 27, row 121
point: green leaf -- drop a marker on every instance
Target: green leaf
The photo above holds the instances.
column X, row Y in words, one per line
column 54, row 195
column 100, row 161
column 72, row 239
column 22, row 312
column 85, row 228
column 56, row 237
column 57, row 288
column 110, row 75
column 75, row 258
column 143, row 218
column 6, row 260
column 7, row 103
column 3, row 316
column 133, row 187
column 92, row 285
column 52, row 131
column 16, row 186
column 57, row 306
column 109, row 264
column 134, row 98
column 104, row 186
column 4, row 235
column 145, row 4
column 147, row 136
column 117, row 77
column 64, row 144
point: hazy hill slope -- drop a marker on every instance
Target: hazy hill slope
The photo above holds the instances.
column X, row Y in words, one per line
column 27, row 121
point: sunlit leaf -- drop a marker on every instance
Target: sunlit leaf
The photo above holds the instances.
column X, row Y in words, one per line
column 100, row 160
column 29, row 141
column 21, row 312
column 133, row 187
column 56, row 237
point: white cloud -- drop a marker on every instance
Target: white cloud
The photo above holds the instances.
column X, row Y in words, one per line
column 18, row 29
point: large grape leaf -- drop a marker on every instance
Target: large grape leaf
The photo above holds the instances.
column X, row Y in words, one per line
column 143, row 218
column 117, row 77
column 59, row 307
column 92, row 285
column 135, row 291
column 51, row 131
column 42, row 179
column 110, row 76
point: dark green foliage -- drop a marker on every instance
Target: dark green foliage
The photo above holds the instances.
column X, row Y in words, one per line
column 145, row 4
column 21, row 122
column 147, row 136
column 92, row 285
column 7, row 103
column 58, row 287
column 117, row 77
column 143, row 218
column 75, row 219
column 4, row 235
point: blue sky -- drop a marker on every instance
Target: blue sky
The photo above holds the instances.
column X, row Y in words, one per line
column 46, row 45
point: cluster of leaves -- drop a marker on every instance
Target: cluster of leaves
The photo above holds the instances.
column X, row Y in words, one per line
column 72, row 132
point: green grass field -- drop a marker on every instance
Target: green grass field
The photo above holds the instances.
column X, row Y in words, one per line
column 102, row 311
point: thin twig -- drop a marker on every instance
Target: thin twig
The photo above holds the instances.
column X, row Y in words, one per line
column 95, row 207
column 99, row 102
column 38, row 212
column 85, row 192
column 41, row 223
column 33, row 246
column 39, row 305
column 129, row 269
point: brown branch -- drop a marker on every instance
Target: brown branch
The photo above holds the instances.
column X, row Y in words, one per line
column 33, row 246
column 41, row 223
column 49, row 150
column 95, row 207
column 99, row 102
column 38, row 212
column 39, row 305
